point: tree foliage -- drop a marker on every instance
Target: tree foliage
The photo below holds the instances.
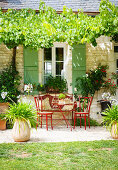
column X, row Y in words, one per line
column 39, row 30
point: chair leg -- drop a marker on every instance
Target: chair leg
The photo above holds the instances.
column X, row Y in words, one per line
column 41, row 121
column 89, row 122
column 46, row 122
column 37, row 120
column 80, row 121
column 74, row 121
column 85, row 122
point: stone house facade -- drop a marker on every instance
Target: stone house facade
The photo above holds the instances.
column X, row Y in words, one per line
column 103, row 53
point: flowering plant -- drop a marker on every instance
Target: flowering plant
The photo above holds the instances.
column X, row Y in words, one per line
column 111, row 86
column 114, row 75
column 106, row 96
column 5, row 95
column 92, row 82
column 28, row 88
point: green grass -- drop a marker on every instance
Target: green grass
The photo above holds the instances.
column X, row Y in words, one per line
column 63, row 156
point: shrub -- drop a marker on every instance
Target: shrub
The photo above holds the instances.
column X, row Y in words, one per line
column 9, row 82
column 92, row 122
column 92, row 82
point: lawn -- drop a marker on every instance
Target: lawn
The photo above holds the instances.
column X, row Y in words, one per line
column 71, row 155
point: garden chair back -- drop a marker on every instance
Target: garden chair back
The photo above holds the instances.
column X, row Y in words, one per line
column 41, row 113
column 82, row 110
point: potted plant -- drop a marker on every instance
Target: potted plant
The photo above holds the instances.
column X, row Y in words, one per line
column 61, row 97
column 105, row 102
column 23, row 116
column 55, row 85
column 111, row 120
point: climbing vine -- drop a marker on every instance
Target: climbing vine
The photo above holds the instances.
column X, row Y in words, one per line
column 39, row 30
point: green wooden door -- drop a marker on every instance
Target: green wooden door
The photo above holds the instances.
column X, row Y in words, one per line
column 78, row 62
column 30, row 66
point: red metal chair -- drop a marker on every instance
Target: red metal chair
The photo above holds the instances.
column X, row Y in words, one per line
column 41, row 113
column 82, row 110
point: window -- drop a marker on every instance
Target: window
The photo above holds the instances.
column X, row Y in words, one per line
column 116, row 49
column 59, row 62
column 53, row 62
column 47, row 63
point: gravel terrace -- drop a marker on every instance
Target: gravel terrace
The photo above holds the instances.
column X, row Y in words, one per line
column 61, row 134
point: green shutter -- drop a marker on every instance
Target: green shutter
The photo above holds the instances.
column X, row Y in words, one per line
column 78, row 62
column 30, row 66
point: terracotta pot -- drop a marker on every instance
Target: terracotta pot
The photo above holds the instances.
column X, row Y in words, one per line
column 21, row 131
column 3, row 108
column 114, row 131
column 2, row 124
column 52, row 90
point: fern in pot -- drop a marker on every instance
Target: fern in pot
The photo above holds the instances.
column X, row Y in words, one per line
column 23, row 117
column 110, row 119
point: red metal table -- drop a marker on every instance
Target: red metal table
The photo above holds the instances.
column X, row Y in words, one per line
column 64, row 113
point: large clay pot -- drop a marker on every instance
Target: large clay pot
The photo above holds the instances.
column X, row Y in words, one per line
column 114, row 131
column 21, row 131
column 3, row 108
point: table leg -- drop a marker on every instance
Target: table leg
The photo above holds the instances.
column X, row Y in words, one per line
column 67, row 121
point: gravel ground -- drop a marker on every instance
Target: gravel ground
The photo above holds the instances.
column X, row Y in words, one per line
column 61, row 134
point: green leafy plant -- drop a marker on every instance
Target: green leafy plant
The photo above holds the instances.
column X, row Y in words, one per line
column 111, row 117
column 62, row 96
column 9, row 82
column 92, row 82
column 56, row 84
column 21, row 111
column 40, row 87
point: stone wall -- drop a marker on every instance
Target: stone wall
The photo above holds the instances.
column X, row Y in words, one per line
column 5, row 56
column 20, row 65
